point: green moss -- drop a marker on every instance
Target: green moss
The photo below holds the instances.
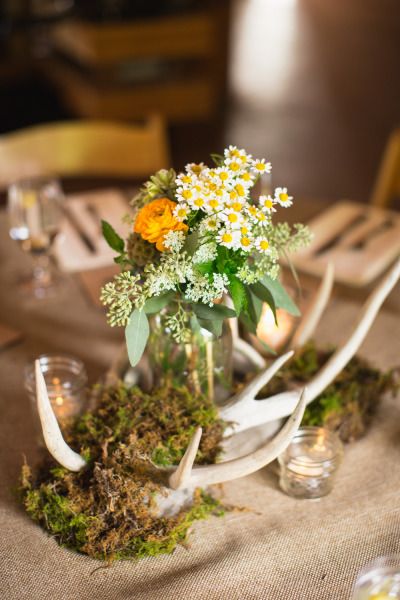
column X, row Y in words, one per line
column 107, row 510
column 348, row 404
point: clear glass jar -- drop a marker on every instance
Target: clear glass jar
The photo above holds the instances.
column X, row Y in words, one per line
column 379, row 580
column 309, row 464
column 66, row 382
column 204, row 363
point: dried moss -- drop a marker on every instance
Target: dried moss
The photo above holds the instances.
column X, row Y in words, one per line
column 349, row 403
column 108, row 510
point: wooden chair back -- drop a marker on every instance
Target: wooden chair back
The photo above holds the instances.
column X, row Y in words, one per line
column 84, row 148
column 387, row 183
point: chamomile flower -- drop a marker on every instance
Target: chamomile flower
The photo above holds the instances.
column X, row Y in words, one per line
column 260, row 167
column 246, row 179
column 223, row 175
column 210, row 223
column 260, row 217
column 263, row 245
column 240, row 190
column 232, row 218
column 232, row 152
column 234, row 165
column 282, row 197
column 229, row 238
column 267, row 204
column 181, row 211
column 198, row 203
column 214, row 204
column 246, row 243
column 196, row 169
column 252, row 211
column 185, row 194
column 185, row 179
column 237, row 205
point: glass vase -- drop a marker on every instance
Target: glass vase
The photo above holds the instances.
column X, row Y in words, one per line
column 203, row 362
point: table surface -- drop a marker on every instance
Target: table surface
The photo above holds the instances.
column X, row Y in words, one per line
column 279, row 548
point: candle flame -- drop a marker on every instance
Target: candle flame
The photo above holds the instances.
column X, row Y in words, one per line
column 270, row 333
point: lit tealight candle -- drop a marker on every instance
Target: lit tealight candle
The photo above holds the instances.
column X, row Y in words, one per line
column 269, row 332
column 310, row 462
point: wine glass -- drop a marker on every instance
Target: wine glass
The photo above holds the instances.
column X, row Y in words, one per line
column 379, row 580
column 35, row 211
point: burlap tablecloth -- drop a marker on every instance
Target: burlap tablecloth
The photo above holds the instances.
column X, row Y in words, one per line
column 280, row 549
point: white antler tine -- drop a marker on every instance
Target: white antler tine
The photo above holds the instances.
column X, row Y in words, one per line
column 181, row 476
column 240, row 467
column 240, row 345
column 250, row 391
column 313, row 314
column 51, row 431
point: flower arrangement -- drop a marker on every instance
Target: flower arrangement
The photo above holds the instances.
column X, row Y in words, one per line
column 198, row 236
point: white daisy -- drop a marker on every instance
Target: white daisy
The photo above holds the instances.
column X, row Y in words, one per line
column 232, row 218
column 196, row 169
column 246, row 243
column 282, row 197
column 266, row 204
column 229, row 238
column 263, row 245
column 260, row 166
column 181, row 211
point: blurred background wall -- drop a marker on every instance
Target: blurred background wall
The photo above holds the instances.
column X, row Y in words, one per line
column 313, row 85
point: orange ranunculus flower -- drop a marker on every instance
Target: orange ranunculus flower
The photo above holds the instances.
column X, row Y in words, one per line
column 156, row 219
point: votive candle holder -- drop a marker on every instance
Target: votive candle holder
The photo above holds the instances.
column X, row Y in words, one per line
column 310, row 462
column 379, row 579
column 66, row 382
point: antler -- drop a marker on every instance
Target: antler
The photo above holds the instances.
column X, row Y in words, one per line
column 312, row 316
column 254, row 412
column 203, row 476
column 51, row 430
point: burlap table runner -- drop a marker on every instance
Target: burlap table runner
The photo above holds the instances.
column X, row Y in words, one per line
column 280, row 549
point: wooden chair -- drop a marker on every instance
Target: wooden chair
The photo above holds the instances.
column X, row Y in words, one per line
column 86, row 149
column 387, row 183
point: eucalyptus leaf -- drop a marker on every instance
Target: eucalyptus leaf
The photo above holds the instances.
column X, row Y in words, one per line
column 157, row 303
column 136, row 335
column 214, row 327
column 280, row 295
column 265, row 295
column 212, row 313
column 238, row 293
column 205, row 268
column 112, row 238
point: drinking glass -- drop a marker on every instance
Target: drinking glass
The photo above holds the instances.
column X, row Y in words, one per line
column 35, row 211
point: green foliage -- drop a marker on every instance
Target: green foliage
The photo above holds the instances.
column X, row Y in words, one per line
column 106, row 510
column 215, row 312
column 136, row 335
column 237, row 291
column 280, row 296
column 112, row 238
column 157, row 303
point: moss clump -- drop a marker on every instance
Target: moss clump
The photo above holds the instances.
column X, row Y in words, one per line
column 108, row 510
column 348, row 404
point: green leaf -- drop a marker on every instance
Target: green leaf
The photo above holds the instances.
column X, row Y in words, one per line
column 218, row 159
column 214, row 327
column 238, row 293
column 112, row 238
column 248, row 323
column 136, row 335
column 191, row 243
column 267, row 348
column 205, row 268
column 265, row 295
column 211, row 313
column 155, row 304
column 280, row 295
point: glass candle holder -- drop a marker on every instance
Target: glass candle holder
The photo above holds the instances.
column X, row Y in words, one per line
column 66, row 382
column 309, row 463
column 379, row 580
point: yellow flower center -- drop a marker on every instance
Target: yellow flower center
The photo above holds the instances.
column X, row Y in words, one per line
column 253, row 210
column 245, row 241
column 233, row 218
column 186, row 179
column 264, row 245
column 227, row 237
column 199, row 202
column 182, row 212
column 268, row 203
column 240, row 189
column 261, row 216
column 236, row 206
column 259, row 166
column 283, row 197
column 213, row 203
column 234, row 166
column 223, row 176
column 187, row 194
column 244, row 230
column 246, row 176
